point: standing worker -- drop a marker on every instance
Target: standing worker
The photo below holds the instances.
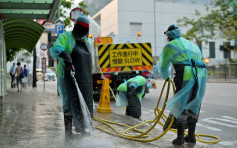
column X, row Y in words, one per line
column 71, row 48
column 190, row 81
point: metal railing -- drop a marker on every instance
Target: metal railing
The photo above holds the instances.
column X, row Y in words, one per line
column 225, row 72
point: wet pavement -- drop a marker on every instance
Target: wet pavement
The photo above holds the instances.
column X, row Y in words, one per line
column 34, row 118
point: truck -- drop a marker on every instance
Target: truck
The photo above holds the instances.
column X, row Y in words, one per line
column 119, row 59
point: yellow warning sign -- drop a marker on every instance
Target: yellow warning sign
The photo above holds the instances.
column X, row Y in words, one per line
column 125, row 57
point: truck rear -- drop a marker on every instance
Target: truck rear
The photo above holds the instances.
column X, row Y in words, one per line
column 119, row 60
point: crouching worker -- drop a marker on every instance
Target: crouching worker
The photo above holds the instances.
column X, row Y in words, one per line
column 190, row 82
column 130, row 94
column 71, row 48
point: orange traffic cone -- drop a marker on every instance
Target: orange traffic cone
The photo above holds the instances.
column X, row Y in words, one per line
column 104, row 103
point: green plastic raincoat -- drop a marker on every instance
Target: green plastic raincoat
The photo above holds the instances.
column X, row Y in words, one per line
column 65, row 42
column 122, row 89
column 185, row 53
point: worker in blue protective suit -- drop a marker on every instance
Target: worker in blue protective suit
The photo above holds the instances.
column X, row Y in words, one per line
column 190, row 82
column 130, row 94
column 71, row 48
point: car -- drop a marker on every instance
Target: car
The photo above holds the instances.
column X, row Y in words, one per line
column 49, row 75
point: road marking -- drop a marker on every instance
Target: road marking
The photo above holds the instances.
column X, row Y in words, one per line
column 228, row 143
column 212, row 120
column 202, row 111
column 229, row 118
column 209, row 127
column 145, row 112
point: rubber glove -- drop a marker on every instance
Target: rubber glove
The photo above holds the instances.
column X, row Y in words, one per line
column 67, row 60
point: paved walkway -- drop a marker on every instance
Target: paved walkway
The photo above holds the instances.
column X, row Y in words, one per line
column 34, row 118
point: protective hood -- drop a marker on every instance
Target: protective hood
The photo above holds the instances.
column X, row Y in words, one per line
column 173, row 32
column 81, row 27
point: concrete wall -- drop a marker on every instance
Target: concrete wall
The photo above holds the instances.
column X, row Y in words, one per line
column 108, row 18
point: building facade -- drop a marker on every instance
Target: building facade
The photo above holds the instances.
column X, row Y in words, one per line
column 152, row 18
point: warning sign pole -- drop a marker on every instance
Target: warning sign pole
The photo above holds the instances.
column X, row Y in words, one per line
column 104, row 103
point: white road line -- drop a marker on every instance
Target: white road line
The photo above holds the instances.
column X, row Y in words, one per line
column 202, row 111
column 150, row 110
column 228, row 117
column 227, row 120
column 228, row 143
column 145, row 112
column 211, row 120
column 208, row 127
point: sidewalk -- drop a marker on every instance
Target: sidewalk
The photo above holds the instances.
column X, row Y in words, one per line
column 34, row 118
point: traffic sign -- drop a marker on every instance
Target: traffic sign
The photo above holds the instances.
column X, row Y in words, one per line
column 43, row 46
column 59, row 27
column 75, row 13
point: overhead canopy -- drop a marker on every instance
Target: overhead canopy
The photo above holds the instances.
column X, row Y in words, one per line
column 21, row 34
column 20, row 29
column 29, row 9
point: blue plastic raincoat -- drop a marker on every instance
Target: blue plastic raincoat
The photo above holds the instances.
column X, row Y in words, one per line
column 65, row 42
column 181, row 52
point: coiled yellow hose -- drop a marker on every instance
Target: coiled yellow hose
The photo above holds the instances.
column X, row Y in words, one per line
column 159, row 114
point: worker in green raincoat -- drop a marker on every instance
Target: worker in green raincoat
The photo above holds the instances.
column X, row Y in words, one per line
column 190, row 81
column 72, row 48
column 130, row 95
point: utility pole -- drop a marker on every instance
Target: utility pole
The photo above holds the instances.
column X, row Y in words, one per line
column 34, row 84
column 155, row 25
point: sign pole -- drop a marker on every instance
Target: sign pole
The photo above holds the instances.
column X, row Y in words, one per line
column 43, row 47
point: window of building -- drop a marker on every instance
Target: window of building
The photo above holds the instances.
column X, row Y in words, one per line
column 212, row 53
column 227, row 53
column 134, row 28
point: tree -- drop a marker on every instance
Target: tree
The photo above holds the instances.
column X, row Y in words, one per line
column 220, row 22
column 26, row 57
column 11, row 53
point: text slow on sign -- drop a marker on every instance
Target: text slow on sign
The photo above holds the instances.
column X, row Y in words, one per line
column 125, row 57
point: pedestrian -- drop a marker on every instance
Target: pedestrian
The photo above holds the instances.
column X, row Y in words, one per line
column 25, row 79
column 19, row 76
column 12, row 73
column 71, row 48
column 130, row 95
column 155, row 70
column 190, row 81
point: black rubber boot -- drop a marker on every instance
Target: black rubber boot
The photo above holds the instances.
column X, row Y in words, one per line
column 68, row 127
column 191, row 133
column 180, row 135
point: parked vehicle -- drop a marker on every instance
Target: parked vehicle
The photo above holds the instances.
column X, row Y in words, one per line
column 49, row 75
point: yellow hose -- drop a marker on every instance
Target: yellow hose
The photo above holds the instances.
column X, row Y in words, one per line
column 159, row 114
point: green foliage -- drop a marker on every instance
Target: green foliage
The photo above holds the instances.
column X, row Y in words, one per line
column 83, row 6
column 67, row 6
column 232, row 60
column 26, row 57
column 220, row 22
column 11, row 53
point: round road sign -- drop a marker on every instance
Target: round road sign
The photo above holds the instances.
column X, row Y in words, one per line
column 43, row 46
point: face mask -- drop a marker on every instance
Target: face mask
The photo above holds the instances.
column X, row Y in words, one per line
column 79, row 32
